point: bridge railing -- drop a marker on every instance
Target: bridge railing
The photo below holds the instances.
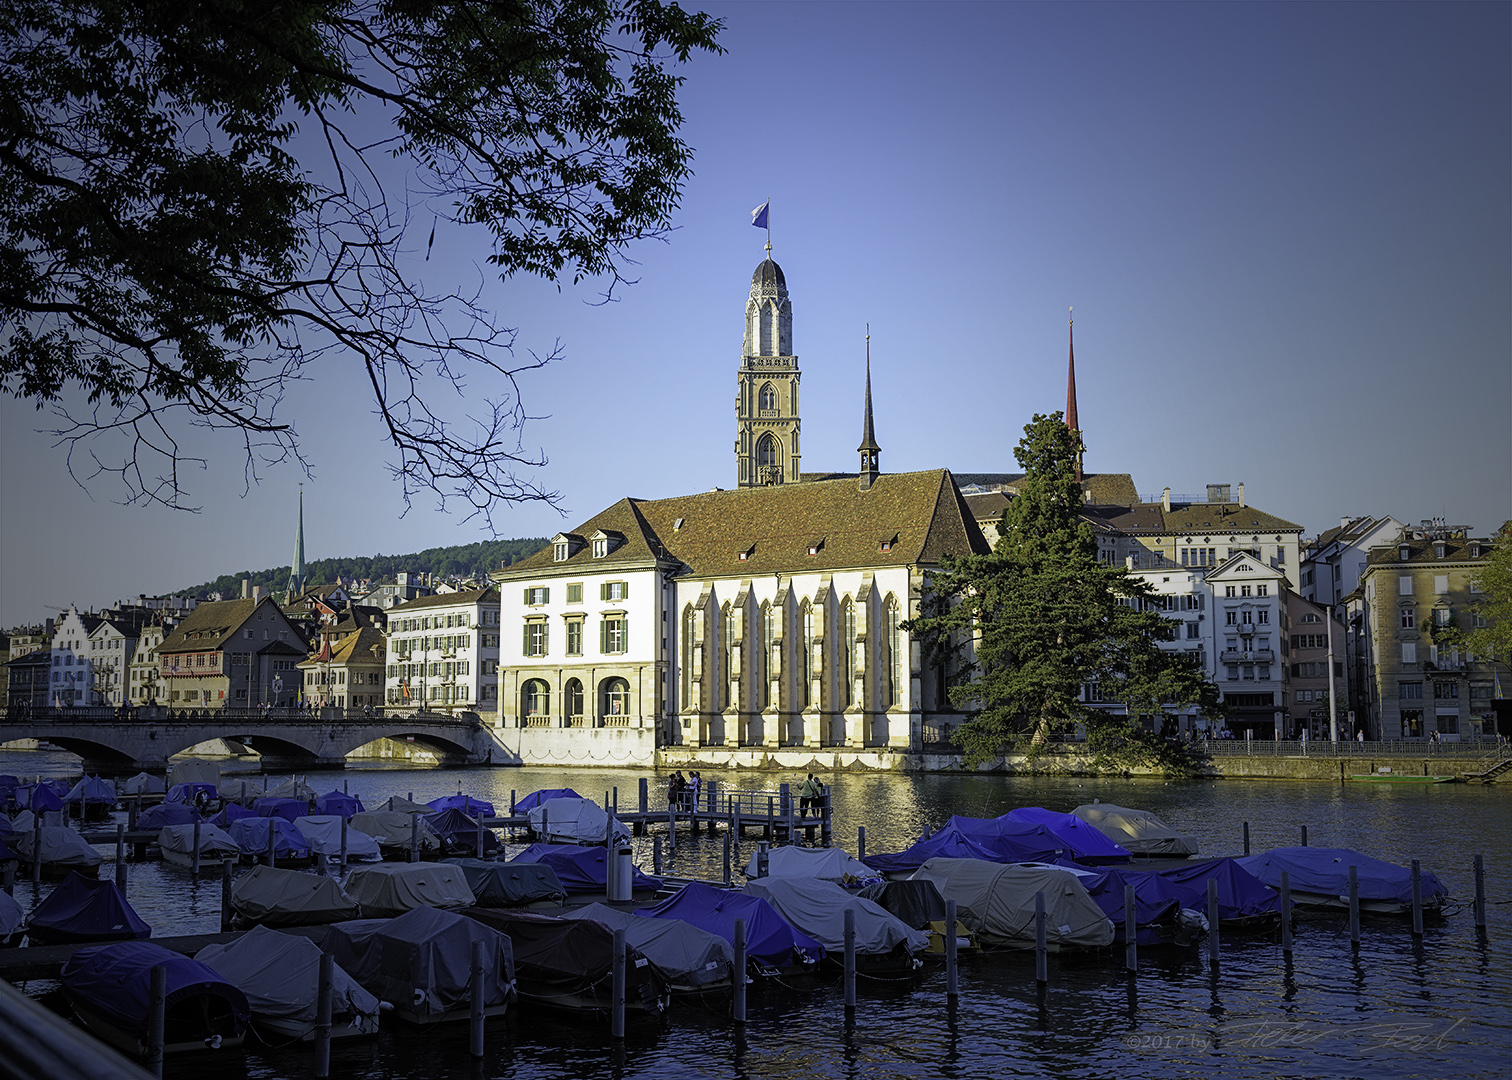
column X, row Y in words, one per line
column 149, row 714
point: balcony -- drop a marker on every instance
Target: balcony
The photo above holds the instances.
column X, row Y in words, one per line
column 1247, row 656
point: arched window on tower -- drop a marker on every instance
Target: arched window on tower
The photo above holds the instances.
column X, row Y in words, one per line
column 848, row 652
column 726, row 655
column 806, row 654
column 768, row 398
column 761, row 674
column 896, row 672
column 768, row 452
column 768, row 346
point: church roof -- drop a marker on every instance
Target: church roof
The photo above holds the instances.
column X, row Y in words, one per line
column 768, row 275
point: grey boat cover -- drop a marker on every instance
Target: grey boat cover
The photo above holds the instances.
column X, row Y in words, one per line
column 423, row 959
column 1142, row 833
column 509, row 884
column 194, row 771
column 400, row 804
column 292, row 788
column 50, row 819
column 391, row 828
column 241, row 789
column 323, row 833
column 280, row 974
column 60, row 847
column 829, row 864
column 143, row 784
column 996, row 901
column 276, row 897
column 215, row 843
column 818, row 909
column 11, row 915
column 688, row 958
column 389, row 889
column 575, row 821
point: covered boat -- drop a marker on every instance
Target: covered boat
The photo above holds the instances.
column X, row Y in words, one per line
column 194, row 771
column 389, row 889
column 421, row 963
column 826, row 864
column 1138, row 831
column 771, row 941
column 1319, row 877
column 164, row 814
column 996, row 901
column 691, row 960
column 569, row 963
column 11, row 919
column 338, row 803
column 254, row 835
column 241, row 789
column 948, row 843
column 91, row 797
column 42, row 797
column 143, row 784
column 575, row 821
column 529, row 802
column 270, row 896
column 583, row 869
column 1244, row 901
column 85, row 909
column 399, row 804
column 277, row 806
column 1011, row 839
column 1084, row 843
column 509, row 884
column 1161, row 913
column 914, row 903
column 393, row 829
column 466, row 803
column 195, row 793
column 176, row 843
column 62, row 851
column 884, row 943
column 280, row 976
column 292, row 788
column 108, row 986
column 323, row 834
column 231, row 812
column 459, row 834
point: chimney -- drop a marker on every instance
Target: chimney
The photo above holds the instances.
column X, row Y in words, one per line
column 1165, row 500
column 246, row 588
column 1343, row 523
column 1241, row 494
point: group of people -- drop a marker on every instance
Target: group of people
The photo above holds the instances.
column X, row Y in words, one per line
column 683, row 792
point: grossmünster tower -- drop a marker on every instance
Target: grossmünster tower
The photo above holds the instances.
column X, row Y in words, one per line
column 766, row 404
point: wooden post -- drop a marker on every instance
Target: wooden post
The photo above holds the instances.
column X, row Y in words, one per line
column 1354, row 904
column 615, row 790
column 1417, row 898
column 414, row 837
column 1131, row 935
column 511, row 802
column 343, row 859
column 617, row 987
column 226, row 894
column 1246, row 838
column 545, row 836
column 37, row 850
column 157, row 993
column 861, row 842
column 272, row 843
column 825, row 833
column 671, row 826
column 479, row 996
column 1480, row 892
column 850, row 958
column 1213, row 920
column 1304, row 836
column 738, row 976
column 120, row 866
column 194, row 860
column 727, row 858
column 769, row 818
column 952, row 978
column 1041, row 945
column 323, row 1015
column 656, row 856
column 135, row 812
column 479, row 849
column 645, row 795
column 1286, row 931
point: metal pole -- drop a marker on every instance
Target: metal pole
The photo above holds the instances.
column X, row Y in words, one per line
column 861, row 842
column 414, row 837
column 738, row 976
column 1246, row 838
column 672, row 826
column 1304, row 836
column 1333, row 707
column 479, row 996
column 1480, row 892
column 323, row 1015
column 952, row 978
column 617, row 1001
column 1354, row 904
column 656, row 856
column 1213, row 920
column 727, row 858
column 850, row 958
column 157, row 993
column 1286, row 933
column 226, row 894
column 769, row 818
column 1417, row 898
column 1131, row 936
column 195, row 860
column 120, row 866
column 1041, row 946
column 343, row 843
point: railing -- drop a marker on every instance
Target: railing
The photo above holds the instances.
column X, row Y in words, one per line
column 231, row 717
column 1470, row 748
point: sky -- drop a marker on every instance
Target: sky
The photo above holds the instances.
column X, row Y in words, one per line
column 1285, row 229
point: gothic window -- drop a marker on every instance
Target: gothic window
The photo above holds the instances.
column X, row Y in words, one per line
column 768, row 398
column 847, row 652
column 894, row 666
column 806, row 659
column 768, row 452
column 726, row 654
column 760, row 678
column 688, row 621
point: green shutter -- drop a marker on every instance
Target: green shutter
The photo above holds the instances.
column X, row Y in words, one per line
column 545, row 639
column 603, row 590
column 546, row 596
column 526, row 599
column 603, row 635
column 624, row 590
column 525, row 642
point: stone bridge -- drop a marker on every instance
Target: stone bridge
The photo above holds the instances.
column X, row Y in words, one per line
column 288, row 740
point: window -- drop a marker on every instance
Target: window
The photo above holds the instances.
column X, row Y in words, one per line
column 1479, row 621
column 1233, row 618
column 1409, row 652
column 574, row 637
column 894, row 652
column 536, row 699
column 1404, row 585
column 1262, row 616
column 1262, row 590
column 1409, row 618
column 1440, row 584
column 1193, row 631
column 575, row 593
column 614, row 590
column 1443, row 616
column 614, row 634
column 534, row 597
column 572, row 698
column 1409, row 691
column 848, row 651
column 535, row 637
column 806, row 653
column 559, row 551
column 1233, row 671
column 1444, row 689
column 1229, row 590
column 1244, row 590
column 616, row 695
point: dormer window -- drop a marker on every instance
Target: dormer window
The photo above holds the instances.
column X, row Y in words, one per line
column 814, row 546
column 1475, row 551
column 746, row 554
column 559, row 551
column 1404, row 552
column 1438, row 550
column 600, row 548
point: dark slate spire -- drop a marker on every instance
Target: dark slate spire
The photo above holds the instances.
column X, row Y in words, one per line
column 1071, row 420
column 297, row 568
column 868, row 449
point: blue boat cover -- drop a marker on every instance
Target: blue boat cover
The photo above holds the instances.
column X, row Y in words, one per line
column 189, row 793
column 536, row 798
column 251, row 835
column 1018, row 841
column 452, row 825
column 1155, row 900
column 40, row 797
column 85, row 909
column 115, row 979
column 1088, row 844
column 7, row 855
column 8, row 785
column 164, row 814
column 338, row 803
column 1241, row 895
column 945, row 844
column 1326, row 870
column 6, row 828
column 232, row 812
column 582, row 869
column 288, row 809
column 465, row 803
column 770, row 939
column 508, row 884
column 91, row 789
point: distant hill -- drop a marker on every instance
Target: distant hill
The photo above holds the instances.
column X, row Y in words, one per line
column 445, row 563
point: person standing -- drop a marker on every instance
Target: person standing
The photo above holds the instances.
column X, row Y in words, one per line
column 695, row 787
column 808, row 796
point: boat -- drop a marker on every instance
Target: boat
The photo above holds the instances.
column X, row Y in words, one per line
column 1386, row 776
column 1084, row 843
column 1244, row 901
column 1161, row 913
column 825, row 864
column 884, row 944
column 292, row 788
column 165, row 814
column 584, row 869
column 83, row 910
column 109, row 986
column 459, row 834
column 176, row 844
column 277, row 806
column 399, row 804
column 231, row 812
column 473, row 808
column 996, row 901
column 394, row 829
column 280, row 976
column 951, row 843
column 510, row 884
column 254, row 835
column 388, row 889
column 1138, row 831
column 62, row 851
column 339, row 803
column 421, row 963
column 91, row 798
column 12, row 920
column 569, row 963
column 240, row 789
column 270, row 896
column 919, row 904
column 1012, row 839
column 773, row 945
column 197, row 793
column 691, row 960
column 567, row 820
column 1319, row 877
column 323, row 832
column 529, row 802
column 143, row 784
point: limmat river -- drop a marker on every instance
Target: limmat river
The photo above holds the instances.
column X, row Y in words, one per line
column 1394, row 1007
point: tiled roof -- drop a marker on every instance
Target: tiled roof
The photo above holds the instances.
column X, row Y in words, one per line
column 209, row 625
column 1456, row 549
column 1227, row 517
column 469, row 596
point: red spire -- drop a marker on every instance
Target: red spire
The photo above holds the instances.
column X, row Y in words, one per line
column 1071, row 420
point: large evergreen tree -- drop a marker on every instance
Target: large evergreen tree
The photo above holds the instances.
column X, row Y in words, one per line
column 1046, row 617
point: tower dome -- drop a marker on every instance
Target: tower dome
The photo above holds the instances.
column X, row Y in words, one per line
column 768, row 275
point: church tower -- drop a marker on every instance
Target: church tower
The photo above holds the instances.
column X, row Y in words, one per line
column 297, row 568
column 869, row 450
column 1071, row 419
column 766, row 400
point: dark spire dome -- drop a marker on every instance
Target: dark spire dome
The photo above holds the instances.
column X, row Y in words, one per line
column 868, row 449
column 768, row 275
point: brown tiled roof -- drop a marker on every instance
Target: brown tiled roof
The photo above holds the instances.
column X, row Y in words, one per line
column 1456, row 549
column 209, row 625
column 1227, row 517
column 466, row 596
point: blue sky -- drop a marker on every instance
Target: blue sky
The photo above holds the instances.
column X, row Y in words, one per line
column 1285, row 229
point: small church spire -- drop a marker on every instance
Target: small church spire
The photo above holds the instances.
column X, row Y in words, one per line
column 868, row 449
column 1071, row 420
column 297, row 570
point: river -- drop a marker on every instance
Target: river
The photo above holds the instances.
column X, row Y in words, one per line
column 1393, row 1008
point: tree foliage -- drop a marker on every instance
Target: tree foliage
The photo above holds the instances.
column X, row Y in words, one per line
column 1046, row 617
column 1494, row 602
column 199, row 201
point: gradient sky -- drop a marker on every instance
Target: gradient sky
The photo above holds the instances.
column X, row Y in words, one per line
column 1284, row 228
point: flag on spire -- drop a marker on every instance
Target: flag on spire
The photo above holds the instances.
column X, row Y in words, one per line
column 759, row 216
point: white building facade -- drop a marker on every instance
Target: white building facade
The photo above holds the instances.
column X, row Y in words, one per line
column 443, row 653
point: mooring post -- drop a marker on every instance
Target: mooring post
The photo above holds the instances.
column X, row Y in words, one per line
column 617, row 987
column 135, row 812
column 1246, row 838
column 825, row 832
column 952, row 978
column 412, row 796
column 1131, row 936
column 1304, row 836
column 343, row 856
column 671, row 826
column 1417, row 898
column 1480, row 892
column 194, row 861
column 157, row 994
column 738, row 976
column 850, row 958
column 36, row 851
column 1354, row 905
column 1286, row 933
column 479, row 996
column 346, row 786
column 861, row 842
column 615, row 790
column 1041, row 945
column 545, row 834
column 769, row 818
column 272, row 841
column 1213, row 920
column 727, row 858
column 645, row 795
column 414, row 836
column 511, row 802
column 323, row 1015
column 480, row 836
column 120, row 866
column 784, row 798
column 226, row 894
column 763, row 857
